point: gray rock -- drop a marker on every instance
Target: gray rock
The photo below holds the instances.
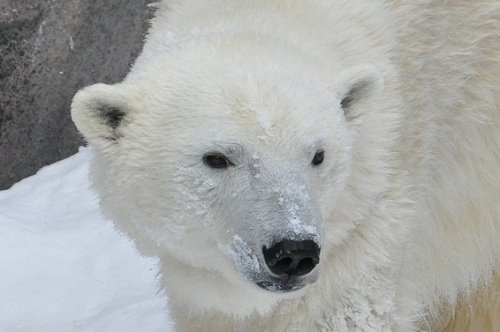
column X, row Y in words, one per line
column 49, row 50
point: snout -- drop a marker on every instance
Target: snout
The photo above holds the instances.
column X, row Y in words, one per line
column 291, row 264
column 289, row 258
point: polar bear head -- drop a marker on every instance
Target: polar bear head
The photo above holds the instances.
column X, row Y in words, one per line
column 229, row 163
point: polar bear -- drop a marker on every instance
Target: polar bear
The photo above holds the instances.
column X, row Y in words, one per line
column 323, row 165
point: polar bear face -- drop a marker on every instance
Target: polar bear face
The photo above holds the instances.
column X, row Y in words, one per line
column 226, row 163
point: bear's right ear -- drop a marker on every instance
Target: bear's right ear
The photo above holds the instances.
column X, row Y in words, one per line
column 99, row 112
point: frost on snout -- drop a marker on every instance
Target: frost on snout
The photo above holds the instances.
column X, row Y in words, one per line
column 282, row 252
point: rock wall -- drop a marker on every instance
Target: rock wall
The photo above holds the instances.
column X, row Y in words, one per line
column 48, row 50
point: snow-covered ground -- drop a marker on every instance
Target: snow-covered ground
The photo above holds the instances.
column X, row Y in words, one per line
column 63, row 267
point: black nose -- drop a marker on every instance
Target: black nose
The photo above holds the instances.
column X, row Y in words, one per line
column 292, row 258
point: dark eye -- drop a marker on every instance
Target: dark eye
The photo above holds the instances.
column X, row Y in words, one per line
column 216, row 160
column 318, row 158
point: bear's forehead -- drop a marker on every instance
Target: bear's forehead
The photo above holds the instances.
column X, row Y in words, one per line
column 266, row 108
column 209, row 75
column 251, row 103
column 262, row 120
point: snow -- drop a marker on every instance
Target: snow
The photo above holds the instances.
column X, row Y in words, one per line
column 243, row 255
column 264, row 121
column 64, row 268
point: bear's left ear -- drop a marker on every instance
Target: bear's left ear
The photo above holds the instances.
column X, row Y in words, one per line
column 356, row 87
column 99, row 112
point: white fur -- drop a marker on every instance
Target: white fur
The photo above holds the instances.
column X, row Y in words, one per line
column 406, row 206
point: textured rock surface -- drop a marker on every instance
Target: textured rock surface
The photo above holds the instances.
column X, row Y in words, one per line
column 48, row 50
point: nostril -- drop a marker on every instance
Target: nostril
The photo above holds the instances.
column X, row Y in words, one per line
column 292, row 258
column 306, row 265
column 283, row 264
